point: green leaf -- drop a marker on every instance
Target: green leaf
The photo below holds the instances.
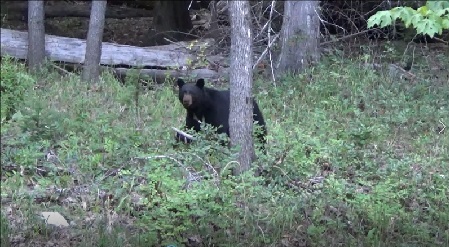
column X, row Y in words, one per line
column 17, row 116
column 445, row 24
column 406, row 15
column 441, row 12
column 423, row 10
column 381, row 18
column 437, row 5
column 416, row 19
column 429, row 19
column 429, row 27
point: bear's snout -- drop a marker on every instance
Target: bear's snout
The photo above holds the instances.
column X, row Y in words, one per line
column 187, row 100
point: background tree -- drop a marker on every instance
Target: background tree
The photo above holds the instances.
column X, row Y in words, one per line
column 91, row 69
column 299, row 37
column 171, row 20
column 241, row 112
column 36, row 34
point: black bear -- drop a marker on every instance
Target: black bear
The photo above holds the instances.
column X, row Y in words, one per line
column 212, row 107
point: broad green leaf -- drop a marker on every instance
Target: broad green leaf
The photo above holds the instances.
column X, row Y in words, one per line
column 415, row 20
column 445, row 24
column 437, row 5
column 423, row 10
column 381, row 18
column 428, row 27
column 406, row 15
column 429, row 19
column 441, row 12
column 402, row 12
column 396, row 12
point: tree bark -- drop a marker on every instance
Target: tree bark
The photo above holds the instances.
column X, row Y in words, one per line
column 91, row 69
column 171, row 21
column 36, row 35
column 241, row 105
column 299, row 37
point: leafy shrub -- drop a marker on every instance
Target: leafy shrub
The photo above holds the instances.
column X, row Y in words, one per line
column 429, row 19
column 14, row 85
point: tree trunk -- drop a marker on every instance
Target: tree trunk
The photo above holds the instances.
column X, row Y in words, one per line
column 299, row 37
column 172, row 21
column 91, row 69
column 36, row 35
column 241, row 105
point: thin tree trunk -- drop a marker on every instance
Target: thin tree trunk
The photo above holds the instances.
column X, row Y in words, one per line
column 36, row 35
column 299, row 37
column 91, row 69
column 241, row 105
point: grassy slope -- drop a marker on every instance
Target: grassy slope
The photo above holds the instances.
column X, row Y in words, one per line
column 355, row 157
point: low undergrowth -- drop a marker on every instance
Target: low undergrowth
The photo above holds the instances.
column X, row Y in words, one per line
column 355, row 158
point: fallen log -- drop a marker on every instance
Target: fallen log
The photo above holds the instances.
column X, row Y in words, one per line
column 159, row 76
column 19, row 11
column 156, row 61
column 72, row 50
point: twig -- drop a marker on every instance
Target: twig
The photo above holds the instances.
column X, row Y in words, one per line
column 273, row 5
column 442, row 129
column 404, row 72
column 441, row 40
column 183, row 133
column 346, row 37
column 208, row 166
column 189, row 172
column 323, row 22
column 61, row 69
column 266, row 50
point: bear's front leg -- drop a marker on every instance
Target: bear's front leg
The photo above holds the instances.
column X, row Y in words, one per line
column 191, row 122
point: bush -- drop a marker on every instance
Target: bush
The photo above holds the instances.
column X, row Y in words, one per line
column 14, row 86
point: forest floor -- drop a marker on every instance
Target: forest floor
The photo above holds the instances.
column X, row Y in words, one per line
column 358, row 155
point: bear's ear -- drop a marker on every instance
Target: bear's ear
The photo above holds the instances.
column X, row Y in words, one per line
column 200, row 83
column 180, row 82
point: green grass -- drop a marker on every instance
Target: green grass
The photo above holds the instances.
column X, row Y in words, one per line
column 355, row 158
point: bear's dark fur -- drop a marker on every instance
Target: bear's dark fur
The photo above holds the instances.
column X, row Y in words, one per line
column 212, row 106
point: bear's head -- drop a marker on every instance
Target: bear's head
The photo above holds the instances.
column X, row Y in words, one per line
column 191, row 95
